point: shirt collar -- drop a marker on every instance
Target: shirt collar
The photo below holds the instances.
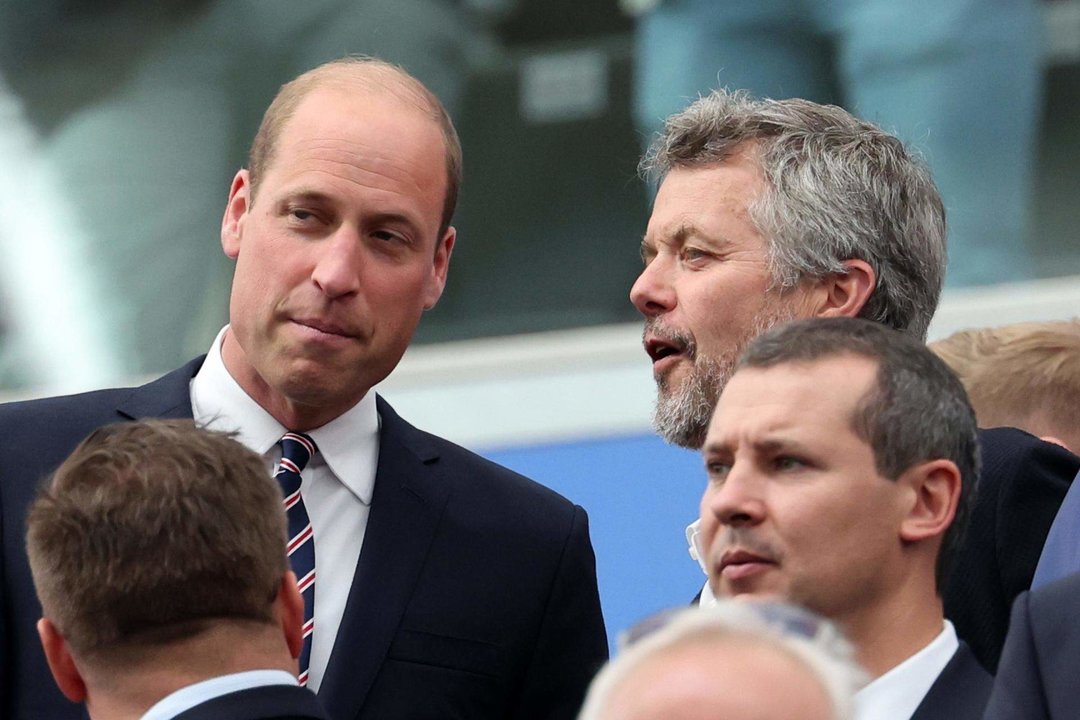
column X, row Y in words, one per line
column 693, row 538
column 188, row 697
column 899, row 692
column 346, row 444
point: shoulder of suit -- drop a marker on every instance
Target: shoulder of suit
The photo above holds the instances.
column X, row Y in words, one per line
column 460, row 464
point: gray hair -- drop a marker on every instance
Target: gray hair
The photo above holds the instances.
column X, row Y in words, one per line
column 817, row 645
column 838, row 189
column 917, row 411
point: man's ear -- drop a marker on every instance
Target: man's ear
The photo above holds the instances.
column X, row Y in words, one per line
column 58, row 655
column 232, row 223
column 845, row 295
column 935, row 492
column 289, row 607
column 439, row 268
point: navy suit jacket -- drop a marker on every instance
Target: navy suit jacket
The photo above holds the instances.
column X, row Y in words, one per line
column 1037, row 678
column 474, row 597
column 273, row 702
column 960, row 691
column 1021, row 486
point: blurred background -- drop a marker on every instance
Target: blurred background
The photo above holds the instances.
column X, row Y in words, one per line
column 123, row 121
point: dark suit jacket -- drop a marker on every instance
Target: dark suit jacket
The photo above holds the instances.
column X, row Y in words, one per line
column 1037, row 678
column 475, row 593
column 273, row 702
column 1022, row 484
column 960, row 691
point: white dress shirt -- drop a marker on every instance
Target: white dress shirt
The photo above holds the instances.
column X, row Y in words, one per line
column 188, row 697
column 896, row 694
column 336, row 485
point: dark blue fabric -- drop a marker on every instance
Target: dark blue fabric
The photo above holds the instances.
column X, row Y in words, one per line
column 1061, row 554
column 474, row 596
column 1037, row 676
column 273, row 702
column 295, row 455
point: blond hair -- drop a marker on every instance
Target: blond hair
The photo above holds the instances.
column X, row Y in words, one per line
column 1025, row 375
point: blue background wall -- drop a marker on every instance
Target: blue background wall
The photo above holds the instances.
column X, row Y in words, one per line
column 640, row 494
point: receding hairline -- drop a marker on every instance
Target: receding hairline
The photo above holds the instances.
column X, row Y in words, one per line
column 373, row 74
column 347, row 75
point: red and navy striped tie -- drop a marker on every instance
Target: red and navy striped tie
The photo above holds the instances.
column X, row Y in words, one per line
column 296, row 450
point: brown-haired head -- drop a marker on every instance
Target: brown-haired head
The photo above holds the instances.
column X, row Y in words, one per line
column 350, row 73
column 150, row 532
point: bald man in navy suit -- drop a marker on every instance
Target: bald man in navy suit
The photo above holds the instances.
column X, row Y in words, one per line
column 446, row 586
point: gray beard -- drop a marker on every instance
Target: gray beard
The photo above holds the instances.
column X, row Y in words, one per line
column 683, row 413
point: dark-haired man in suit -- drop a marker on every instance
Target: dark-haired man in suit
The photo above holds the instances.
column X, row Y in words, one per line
column 446, row 586
column 841, row 462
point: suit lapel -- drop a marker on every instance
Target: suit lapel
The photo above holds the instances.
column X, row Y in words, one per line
column 406, row 506
column 167, row 397
column 960, row 691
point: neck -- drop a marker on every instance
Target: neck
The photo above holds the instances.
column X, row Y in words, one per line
column 140, row 678
column 890, row 634
column 294, row 415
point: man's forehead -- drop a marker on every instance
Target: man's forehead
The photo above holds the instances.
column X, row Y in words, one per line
column 342, row 127
column 821, row 392
column 712, row 201
column 355, row 99
column 713, row 181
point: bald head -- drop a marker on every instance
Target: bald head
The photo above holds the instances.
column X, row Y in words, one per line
column 726, row 662
column 720, row 679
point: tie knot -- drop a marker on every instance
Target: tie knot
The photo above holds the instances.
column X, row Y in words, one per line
column 298, row 449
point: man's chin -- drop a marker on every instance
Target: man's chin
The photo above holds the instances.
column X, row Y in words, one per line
column 677, row 428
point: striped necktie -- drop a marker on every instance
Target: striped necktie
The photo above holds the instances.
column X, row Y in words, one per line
column 297, row 450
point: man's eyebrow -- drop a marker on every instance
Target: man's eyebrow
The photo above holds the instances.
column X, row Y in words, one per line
column 394, row 218
column 777, row 444
column 684, row 231
column 305, row 195
column 716, row 447
column 675, row 239
column 311, row 195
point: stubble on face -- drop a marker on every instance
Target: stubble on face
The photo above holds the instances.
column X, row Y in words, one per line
column 683, row 411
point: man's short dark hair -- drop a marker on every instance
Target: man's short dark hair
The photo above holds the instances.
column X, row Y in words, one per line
column 151, row 530
column 917, row 411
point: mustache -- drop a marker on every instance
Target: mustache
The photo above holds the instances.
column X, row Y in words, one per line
column 736, row 537
column 679, row 339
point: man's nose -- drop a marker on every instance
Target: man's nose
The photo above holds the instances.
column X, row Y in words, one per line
column 337, row 267
column 653, row 293
column 738, row 501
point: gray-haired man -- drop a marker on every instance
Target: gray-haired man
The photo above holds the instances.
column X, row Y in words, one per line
column 769, row 210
